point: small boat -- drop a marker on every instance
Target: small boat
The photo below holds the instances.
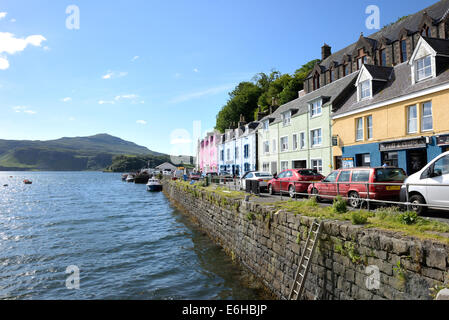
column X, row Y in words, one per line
column 142, row 178
column 27, row 182
column 130, row 178
column 5, row 185
column 154, row 185
column 124, row 176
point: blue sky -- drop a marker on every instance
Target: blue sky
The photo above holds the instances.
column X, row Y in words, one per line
column 146, row 70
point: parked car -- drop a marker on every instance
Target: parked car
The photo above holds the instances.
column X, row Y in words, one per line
column 293, row 181
column 430, row 190
column 262, row 177
column 352, row 184
column 195, row 176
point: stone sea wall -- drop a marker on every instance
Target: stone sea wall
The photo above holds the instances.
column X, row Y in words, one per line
column 351, row 262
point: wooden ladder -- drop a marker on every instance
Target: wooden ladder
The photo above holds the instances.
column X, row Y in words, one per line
column 304, row 264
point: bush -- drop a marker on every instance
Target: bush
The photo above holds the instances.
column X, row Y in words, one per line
column 359, row 218
column 409, row 218
column 340, row 205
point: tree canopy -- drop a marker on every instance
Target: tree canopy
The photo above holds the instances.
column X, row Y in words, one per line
column 247, row 96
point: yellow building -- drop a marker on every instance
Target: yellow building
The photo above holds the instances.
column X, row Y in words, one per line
column 397, row 116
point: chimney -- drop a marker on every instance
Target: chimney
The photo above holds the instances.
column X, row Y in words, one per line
column 242, row 121
column 326, row 51
column 301, row 93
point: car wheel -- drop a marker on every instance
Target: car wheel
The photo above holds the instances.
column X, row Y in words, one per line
column 292, row 192
column 354, row 200
column 270, row 190
column 417, row 199
column 315, row 193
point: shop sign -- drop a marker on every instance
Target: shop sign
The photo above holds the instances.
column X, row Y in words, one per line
column 403, row 144
column 443, row 140
column 347, row 163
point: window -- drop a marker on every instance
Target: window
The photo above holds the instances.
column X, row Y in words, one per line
column 383, row 57
column 236, row 153
column 425, row 31
column 359, row 129
column 284, row 144
column 344, row 176
column 365, row 89
column 286, row 118
column 302, row 140
column 295, row 142
column 274, row 146
column 247, row 167
column 369, row 127
column 284, row 165
column 246, row 151
column 332, row 177
column 412, row 120
column 423, row 68
column 317, row 165
column 316, row 81
column 442, row 166
column 315, row 108
column 360, row 176
column 222, row 155
column 266, row 167
column 427, row 118
column 347, row 69
column 266, row 125
column 266, row 147
column 390, row 175
column 229, row 154
column 316, row 137
column 391, row 159
column 404, row 51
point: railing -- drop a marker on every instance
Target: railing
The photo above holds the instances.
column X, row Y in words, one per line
column 365, row 193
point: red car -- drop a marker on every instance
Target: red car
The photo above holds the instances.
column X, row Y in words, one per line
column 352, row 184
column 293, row 181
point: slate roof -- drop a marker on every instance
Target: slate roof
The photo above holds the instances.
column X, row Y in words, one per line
column 379, row 72
column 441, row 46
column 330, row 93
column 439, row 11
column 400, row 84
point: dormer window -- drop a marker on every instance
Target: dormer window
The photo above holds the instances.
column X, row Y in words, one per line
column 423, row 68
column 315, row 108
column 383, row 57
column 266, row 125
column 316, row 81
column 365, row 89
column 286, row 118
column 404, row 50
column 425, row 32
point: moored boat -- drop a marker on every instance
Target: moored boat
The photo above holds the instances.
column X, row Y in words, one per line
column 142, row 178
column 154, row 185
column 130, row 178
column 27, row 181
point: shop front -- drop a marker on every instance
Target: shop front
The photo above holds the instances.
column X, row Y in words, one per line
column 443, row 142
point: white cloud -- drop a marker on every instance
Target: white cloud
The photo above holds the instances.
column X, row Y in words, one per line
column 13, row 20
column 135, row 58
column 9, row 44
column 196, row 70
column 178, row 75
column 72, row 119
column 3, row 14
column 126, row 96
column 112, row 75
column 4, row 63
column 46, row 48
column 200, row 94
column 142, row 122
column 68, row 99
column 23, row 109
column 106, row 102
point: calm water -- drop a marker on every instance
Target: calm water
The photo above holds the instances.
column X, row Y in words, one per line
column 126, row 242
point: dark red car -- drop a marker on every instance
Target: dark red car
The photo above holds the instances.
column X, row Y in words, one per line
column 293, row 181
column 352, row 184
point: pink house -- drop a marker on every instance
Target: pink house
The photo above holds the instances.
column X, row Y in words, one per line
column 208, row 153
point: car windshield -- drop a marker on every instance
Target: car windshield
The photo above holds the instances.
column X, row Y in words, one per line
column 389, row 174
column 308, row 173
column 262, row 174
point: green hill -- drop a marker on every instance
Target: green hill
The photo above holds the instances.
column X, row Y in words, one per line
column 69, row 154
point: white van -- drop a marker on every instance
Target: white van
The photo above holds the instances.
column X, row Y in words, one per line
column 430, row 191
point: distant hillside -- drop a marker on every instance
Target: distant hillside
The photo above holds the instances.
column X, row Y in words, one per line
column 68, row 154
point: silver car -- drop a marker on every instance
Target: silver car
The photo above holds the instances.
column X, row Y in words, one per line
column 262, row 177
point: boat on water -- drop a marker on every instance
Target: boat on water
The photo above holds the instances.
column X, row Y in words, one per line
column 142, row 178
column 130, row 178
column 154, row 185
column 27, row 182
column 124, row 176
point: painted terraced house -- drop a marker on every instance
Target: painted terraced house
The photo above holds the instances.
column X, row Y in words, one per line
column 238, row 149
column 397, row 113
column 207, row 154
column 298, row 134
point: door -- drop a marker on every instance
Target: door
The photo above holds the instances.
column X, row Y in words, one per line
column 328, row 187
column 285, row 181
column 438, row 195
column 416, row 160
column 343, row 183
column 276, row 182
